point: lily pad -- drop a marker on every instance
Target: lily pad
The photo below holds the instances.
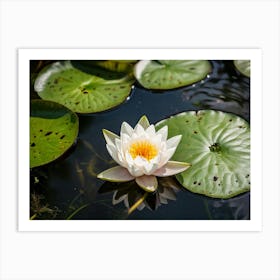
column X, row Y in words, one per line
column 53, row 130
column 170, row 74
column 243, row 66
column 119, row 66
column 217, row 145
column 80, row 91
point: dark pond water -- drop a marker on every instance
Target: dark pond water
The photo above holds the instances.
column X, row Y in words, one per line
column 68, row 187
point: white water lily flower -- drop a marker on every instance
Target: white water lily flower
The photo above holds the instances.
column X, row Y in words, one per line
column 142, row 154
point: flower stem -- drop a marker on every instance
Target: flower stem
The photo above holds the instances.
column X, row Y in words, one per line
column 137, row 203
column 76, row 211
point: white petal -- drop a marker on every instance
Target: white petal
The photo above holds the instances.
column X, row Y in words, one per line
column 116, row 174
column 150, row 168
column 157, row 138
column 163, row 132
column 135, row 136
column 121, row 159
column 113, row 153
column 140, row 162
column 118, row 144
column 147, row 168
column 151, row 131
column 147, row 183
column 110, row 136
column 173, row 142
column 172, row 168
column 139, row 130
column 125, row 140
column 144, row 122
column 128, row 158
column 126, row 128
column 155, row 160
column 135, row 170
column 166, row 156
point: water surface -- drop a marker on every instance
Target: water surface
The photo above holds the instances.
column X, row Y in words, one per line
column 68, row 187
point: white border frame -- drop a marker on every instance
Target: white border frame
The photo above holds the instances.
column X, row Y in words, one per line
column 254, row 224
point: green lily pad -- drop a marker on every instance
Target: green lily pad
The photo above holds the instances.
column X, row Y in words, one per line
column 217, row 145
column 243, row 66
column 119, row 66
column 170, row 74
column 80, row 91
column 53, row 130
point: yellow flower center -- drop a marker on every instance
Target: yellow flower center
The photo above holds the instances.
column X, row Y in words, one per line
column 143, row 149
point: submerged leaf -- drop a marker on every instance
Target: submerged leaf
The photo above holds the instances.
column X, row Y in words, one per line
column 120, row 66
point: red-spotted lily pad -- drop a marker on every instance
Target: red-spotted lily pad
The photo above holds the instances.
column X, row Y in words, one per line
column 170, row 74
column 53, row 130
column 217, row 145
column 80, row 91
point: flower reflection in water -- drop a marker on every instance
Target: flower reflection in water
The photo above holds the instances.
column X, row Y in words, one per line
column 135, row 197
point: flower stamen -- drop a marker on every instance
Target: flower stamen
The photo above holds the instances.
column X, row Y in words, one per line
column 144, row 149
